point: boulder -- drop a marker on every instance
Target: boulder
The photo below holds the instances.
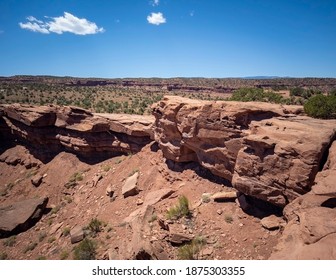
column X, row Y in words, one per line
column 272, row 222
column 77, row 234
column 130, row 186
column 21, row 215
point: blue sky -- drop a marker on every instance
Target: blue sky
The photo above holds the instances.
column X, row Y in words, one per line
column 168, row 38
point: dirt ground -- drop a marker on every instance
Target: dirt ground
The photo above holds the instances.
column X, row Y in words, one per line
column 228, row 232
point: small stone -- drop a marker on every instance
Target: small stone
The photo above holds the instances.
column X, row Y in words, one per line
column 109, row 191
column 219, row 211
column 241, row 224
column 37, row 180
column 139, row 201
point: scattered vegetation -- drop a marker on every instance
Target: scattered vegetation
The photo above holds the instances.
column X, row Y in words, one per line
column 95, row 226
column 66, row 231
column 180, row 210
column 85, row 250
column 30, row 247
column 41, row 258
column 190, row 251
column 106, row 168
column 55, row 209
column 321, row 106
column 74, row 179
column 3, row 256
column 51, row 239
column 133, row 172
column 42, row 235
column 206, row 198
column 64, row 255
column 10, row 241
column 228, row 218
column 153, row 218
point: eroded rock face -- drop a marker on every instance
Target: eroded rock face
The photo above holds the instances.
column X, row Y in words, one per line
column 311, row 230
column 55, row 128
column 21, row 215
column 266, row 150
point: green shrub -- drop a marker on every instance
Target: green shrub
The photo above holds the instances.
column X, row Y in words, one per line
column 10, row 241
column 30, row 247
column 180, row 210
column 85, row 250
column 321, row 106
column 190, row 251
column 95, row 226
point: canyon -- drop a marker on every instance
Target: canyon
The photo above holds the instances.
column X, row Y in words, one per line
column 269, row 166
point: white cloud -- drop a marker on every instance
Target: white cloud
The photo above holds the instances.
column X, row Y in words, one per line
column 156, row 2
column 66, row 23
column 156, row 18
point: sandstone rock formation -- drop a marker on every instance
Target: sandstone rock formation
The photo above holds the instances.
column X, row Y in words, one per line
column 311, row 229
column 268, row 151
column 21, row 215
column 54, row 128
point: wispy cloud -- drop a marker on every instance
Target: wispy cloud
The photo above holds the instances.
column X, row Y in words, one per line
column 66, row 23
column 156, row 18
column 155, row 2
column 192, row 13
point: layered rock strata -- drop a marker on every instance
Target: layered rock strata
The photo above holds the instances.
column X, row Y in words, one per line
column 311, row 229
column 268, row 151
column 55, row 128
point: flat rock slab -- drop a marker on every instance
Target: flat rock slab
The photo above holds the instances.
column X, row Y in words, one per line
column 130, row 186
column 155, row 196
column 21, row 215
column 225, row 196
column 179, row 239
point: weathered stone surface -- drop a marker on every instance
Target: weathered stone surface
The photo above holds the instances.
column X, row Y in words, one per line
column 56, row 128
column 155, row 196
column 179, row 238
column 21, row 215
column 76, row 234
column 281, row 157
column 37, row 180
column 311, row 230
column 272, row 222
column 130, row 186
column 267, row 150
column 225, row 196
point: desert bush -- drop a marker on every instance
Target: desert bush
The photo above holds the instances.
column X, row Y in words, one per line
column 180, row 210
column 321, row 106
column 10, row 241
column 191, row 250
column 95, row 226
column 256, row 94
column 85, row 250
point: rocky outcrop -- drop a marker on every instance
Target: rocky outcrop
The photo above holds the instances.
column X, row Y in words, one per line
column 21, row 215
column 311, row 229
column 268, row 151
column 54, row 128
